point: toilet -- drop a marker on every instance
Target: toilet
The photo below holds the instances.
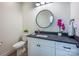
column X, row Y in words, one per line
column 21, row 45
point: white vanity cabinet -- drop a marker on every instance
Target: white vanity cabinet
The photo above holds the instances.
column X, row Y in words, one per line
column 39, row 47
column 42, row 47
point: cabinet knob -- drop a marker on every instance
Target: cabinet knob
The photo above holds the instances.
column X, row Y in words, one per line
column 38, row 45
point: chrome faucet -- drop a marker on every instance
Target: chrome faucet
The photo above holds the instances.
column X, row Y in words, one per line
column 38, row 31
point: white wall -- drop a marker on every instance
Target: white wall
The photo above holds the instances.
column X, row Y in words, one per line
column 75, row 15
column 10, row 25
column 60, row 10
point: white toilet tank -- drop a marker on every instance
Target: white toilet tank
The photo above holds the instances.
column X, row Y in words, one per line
column 24, row 37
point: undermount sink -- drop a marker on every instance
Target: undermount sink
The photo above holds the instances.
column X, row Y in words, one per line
column 45, row 36
column 18, row 44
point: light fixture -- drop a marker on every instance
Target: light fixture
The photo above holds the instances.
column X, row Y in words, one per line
column 47, row 2
column 37, row 4
column 42, row 3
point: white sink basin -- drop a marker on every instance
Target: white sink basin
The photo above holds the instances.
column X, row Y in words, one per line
column 18, row 44
column 42, row 36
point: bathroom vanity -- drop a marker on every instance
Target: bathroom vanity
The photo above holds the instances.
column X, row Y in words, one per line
column 50, row 44
column 43, row 43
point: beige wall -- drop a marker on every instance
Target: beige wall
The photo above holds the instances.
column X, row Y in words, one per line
column 10, row 26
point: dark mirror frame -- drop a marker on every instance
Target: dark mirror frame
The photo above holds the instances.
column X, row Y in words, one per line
column 49, row 24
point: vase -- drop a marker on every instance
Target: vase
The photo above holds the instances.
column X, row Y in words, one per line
column 60, row 32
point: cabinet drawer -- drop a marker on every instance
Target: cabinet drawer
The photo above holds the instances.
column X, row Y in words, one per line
column 60, row 52
column 47, row 43
column 66, row 46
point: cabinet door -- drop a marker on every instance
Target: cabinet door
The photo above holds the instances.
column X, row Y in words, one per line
column 39, row 47
column 47, row 47
column 33, row 49
column 46, row 51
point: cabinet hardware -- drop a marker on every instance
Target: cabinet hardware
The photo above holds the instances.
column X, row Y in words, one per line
column 67, row 47
column 38, row 45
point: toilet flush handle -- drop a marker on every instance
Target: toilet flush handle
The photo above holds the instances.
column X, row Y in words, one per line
column 1, row 43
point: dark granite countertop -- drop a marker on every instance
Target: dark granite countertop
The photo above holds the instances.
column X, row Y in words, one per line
column 54, row 37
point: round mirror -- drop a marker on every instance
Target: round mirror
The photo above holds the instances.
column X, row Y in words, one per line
column 44, row 18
